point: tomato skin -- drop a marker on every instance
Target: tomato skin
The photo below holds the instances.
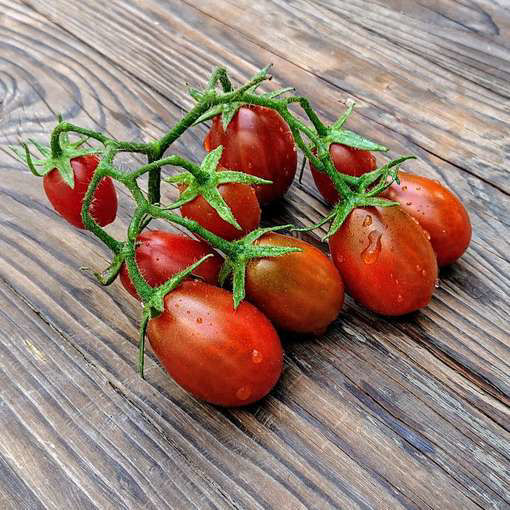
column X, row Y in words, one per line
column 438, row 211
column 259, row 142
column 243, row 203
column 300, row 291
column 68, row 201
column 160, row 255
column 347, row 160
column 385, row 259
column 226, row 357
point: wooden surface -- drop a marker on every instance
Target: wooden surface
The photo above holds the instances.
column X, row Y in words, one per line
column 377, row 413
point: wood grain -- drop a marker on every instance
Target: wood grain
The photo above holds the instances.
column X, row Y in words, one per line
column 377, row 413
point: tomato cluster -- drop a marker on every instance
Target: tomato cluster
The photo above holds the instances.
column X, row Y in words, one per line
column 387, row 257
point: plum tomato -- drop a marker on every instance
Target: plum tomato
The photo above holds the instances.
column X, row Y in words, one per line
column 438, row 211
column 68, row 201
column 226, row 357
column 385, row 259
column 243, row 203
column 300, row 291
column 258, row 142
column 347, row 160
column 160, row 255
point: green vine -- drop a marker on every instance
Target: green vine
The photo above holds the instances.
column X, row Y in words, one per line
column 314, row 141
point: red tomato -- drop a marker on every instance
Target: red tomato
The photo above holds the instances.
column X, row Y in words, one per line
column 243, row 203
column 226, row 357
column 437, row 210
column 68, row 201
column 259, row 142
column 347, row 160
column 300, row 291
column 385, row 259
column 160, row 255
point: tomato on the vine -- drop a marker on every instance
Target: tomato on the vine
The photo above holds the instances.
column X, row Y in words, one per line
column 385, row 259
column 299, row 291
column 437, row 210
column 347, row 160
column 161, row 254
column 226, row 357
column 243, row 203
column 68, row 201
column 259, row 142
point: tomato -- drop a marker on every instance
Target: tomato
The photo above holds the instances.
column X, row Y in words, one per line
column 437, row 210
column 347, row 160
column 68, row 201
column 160, row 255
column 243, row 203
column 259, row 142
column 300, row 291
column 385, row 259
column 226, row 357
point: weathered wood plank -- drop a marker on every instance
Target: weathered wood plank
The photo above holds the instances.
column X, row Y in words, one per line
column 377, row 414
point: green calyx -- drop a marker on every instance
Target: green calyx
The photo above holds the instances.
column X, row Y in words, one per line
column 49, row 161
column 245, row 250
column 155, row 305
column 108, row 276
column 204, row 182
column 337, row 134
column 365, row 194
column 228, row 110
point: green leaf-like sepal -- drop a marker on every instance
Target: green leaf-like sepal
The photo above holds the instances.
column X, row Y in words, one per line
column 109, row 275
column 375, row 182
column 204, row 182
column 336, row 134
column 228, row 110
column 351, row 139
column 339, row 124
column 41, row 167
column 156, row 305
column 237, row 263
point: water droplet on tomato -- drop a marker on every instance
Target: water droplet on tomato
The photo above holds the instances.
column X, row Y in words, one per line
column 400, row 298
column 423, row 272
column 243, row 393
column 436, row 283
column 418, row 267
column 371, row 252
column 427, row 235
column 367, row 221
column 404, row 188
column 199, row 320
column 340, row 259
column 256, row 357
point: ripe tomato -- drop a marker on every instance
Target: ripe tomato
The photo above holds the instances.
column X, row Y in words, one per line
column 68, row 201
column 226, row 357
column 259, row 142
column 347, row 160
column 243, row 203
column 160, row 255
column 385, row 259
column 300, row 291
column 438, row 211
